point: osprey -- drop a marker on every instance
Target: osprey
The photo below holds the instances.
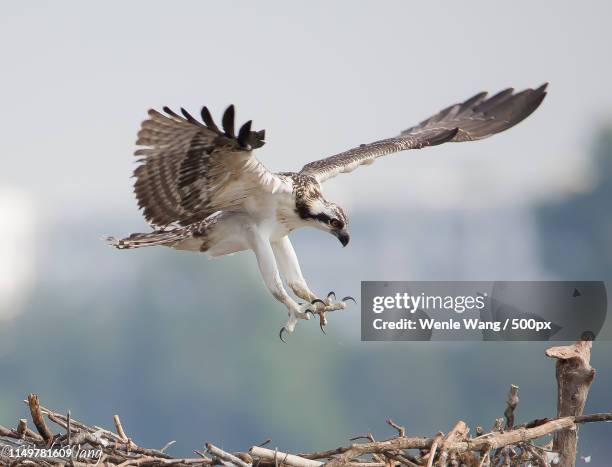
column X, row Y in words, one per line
column 202, row 189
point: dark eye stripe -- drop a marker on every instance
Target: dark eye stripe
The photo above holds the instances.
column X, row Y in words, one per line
column 322, row 217
column 303, row 211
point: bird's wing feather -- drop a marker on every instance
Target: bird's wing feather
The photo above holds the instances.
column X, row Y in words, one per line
column 190, row 169
column 476, row 118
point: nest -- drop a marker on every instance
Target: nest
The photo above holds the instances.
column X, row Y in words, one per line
column 73, row 443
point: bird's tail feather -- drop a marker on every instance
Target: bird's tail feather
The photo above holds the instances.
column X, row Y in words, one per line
column 138, row 240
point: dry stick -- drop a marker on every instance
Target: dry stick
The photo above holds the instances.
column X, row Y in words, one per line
column 390, row 449
column 245, row 457
column 484, row 459
column 289, row 459
column 574, row 377
column 226, row 456
column 108, row 433
column 57, row 421
column 401, row 431
column 406, row 456
column 126, row 463
column 68, row 428
column 498, row 425
column 157, row 461
column 147, row 452
column 356, row 450
column 453, row 461
column 38, row 419
column 457, row 433
column 535, row 454
column 401, row 459
column 121, row 432
column 432, row 450
column 22, row 427
column 167, row 445
column 119, row 428
column 488, row 441
column 324, row 454
column 85, row 436
column 512, row 401
column 34, row 436
column 498, row 440
column 594, row 417
column 201, row 454
column 506, row 459
column 370, row 437
column 62, row 421
column 267, row 441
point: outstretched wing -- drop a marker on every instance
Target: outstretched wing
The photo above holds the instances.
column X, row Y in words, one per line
column 191, row 169
column 476, row 118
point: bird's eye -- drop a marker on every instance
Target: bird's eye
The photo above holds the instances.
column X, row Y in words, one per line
column 336, row 224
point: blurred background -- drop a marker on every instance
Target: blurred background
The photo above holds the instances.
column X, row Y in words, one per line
column 186, row 348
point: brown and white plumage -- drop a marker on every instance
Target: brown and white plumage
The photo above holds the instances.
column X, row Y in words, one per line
column 202, row 189
column 189, row 170
column 476, row 118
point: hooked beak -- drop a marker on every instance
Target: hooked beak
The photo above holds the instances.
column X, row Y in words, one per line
column 343, row 236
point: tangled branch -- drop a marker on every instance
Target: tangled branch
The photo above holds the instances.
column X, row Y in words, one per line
column 505, row 444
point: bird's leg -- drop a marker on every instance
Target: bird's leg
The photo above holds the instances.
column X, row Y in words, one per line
column 327, row 305
column 269, row 272
column 290, row 269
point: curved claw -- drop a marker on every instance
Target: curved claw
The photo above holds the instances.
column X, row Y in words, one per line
column 349, row 298
column 331, row 293
column 311, row 312
column 318, row 300
column 321, row 325
column 280, row 334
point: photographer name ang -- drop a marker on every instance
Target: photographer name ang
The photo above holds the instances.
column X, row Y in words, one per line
column 412, row 303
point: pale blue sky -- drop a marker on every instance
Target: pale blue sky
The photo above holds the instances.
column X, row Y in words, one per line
column 320, row 77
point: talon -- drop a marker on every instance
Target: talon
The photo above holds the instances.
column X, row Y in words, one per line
column 322, row 321
column 311, row 312
column 349, row 298
column 280, row 334
column 331, row 293
column 318, row 300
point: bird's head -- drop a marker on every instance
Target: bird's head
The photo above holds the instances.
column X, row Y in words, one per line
column 324, row 215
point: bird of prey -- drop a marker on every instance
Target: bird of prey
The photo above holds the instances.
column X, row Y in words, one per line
column 201, row 188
